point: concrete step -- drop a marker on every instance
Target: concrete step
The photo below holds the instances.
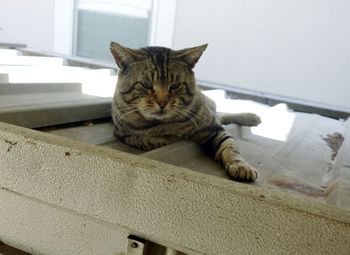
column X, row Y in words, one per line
column 188, row 155
column 37, row 91
column 31, row 61
column 38, row 114
column 39, row 74
column 38, row 105
column 291, row 151
column 4, row 77
column 94, row 133
column 302, row 165
column 288, row 148
column 9, row 89
column 8, row 52
column 67, row 189
column 98, row 82
column 71, row 60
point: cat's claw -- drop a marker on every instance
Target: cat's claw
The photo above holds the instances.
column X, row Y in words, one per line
column 241, row 171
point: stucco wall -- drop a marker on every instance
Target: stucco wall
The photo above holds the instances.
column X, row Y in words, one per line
column 188, row 211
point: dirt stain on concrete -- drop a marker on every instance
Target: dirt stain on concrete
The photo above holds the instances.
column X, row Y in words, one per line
column 11, row 143
column 296, row 186
column 334, row 141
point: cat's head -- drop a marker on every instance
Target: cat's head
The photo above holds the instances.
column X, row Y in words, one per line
column 158, row 81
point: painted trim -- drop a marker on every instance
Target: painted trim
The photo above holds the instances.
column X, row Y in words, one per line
column 338, row 111
column 163, row 16
column 161, row 30
column 63, row 26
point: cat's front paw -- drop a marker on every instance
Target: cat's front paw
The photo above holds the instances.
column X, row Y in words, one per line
column 251, row 120
column 241, row 171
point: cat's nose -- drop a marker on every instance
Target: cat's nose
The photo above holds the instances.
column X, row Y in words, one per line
column 162, row 104
column 162, row 99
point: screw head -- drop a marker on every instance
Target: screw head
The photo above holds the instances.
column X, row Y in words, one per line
column 134, row 245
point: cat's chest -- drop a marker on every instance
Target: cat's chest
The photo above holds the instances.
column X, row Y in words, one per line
column 181, row 129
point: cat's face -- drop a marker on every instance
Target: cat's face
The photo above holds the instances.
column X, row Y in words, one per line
column 156, row 81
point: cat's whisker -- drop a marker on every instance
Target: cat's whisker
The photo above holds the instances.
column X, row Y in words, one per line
column 194, row 121
column 126, row 108
column 190, row 115
column 127, row 113
column 188, row 119
column 185, row 120
column 109, row 110
column 191, row 111
column 121, row 111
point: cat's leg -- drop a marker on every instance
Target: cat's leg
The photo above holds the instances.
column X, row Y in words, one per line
column 148, row 142
column 224, row 148
column 242, row 119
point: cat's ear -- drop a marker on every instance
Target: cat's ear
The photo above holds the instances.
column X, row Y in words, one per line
column 190, row 55
column 123, row 56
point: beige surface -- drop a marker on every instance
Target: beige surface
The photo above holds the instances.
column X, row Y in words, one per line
column 180, row 208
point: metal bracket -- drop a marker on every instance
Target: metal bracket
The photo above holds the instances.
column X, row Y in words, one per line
column 135, row 246
column 139, row 246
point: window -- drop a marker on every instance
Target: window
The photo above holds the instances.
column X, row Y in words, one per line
column 100, row 21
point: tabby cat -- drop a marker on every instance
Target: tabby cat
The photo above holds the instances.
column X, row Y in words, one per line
column 157, row 102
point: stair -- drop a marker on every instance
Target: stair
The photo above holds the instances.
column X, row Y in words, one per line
column 288, row 148
column 303, row 161
column 301, row 166
column 40, row 91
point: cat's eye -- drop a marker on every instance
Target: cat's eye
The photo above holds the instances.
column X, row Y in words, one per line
column 146, row 85
column 174, row 86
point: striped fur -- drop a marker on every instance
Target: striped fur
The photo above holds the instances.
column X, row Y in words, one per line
column 157, row 102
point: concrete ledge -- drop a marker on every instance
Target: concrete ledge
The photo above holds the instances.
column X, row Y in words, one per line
column 8, row 52
column 35, row 88
column 41, row 115
column 71, row 60
column 185, row 210
column 53, row 74
column 40, row 228
column 31, row 61
column 44, row 104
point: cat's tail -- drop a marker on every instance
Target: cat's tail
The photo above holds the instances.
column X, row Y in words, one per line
column 242, row 119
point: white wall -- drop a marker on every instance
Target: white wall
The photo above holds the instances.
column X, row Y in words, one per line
column 49, row 24
column 294, row 48
column 28, row 21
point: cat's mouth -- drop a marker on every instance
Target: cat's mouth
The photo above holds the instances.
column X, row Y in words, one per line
column 160, row 114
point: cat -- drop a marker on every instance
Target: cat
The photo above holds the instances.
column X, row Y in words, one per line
column 157, row 102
